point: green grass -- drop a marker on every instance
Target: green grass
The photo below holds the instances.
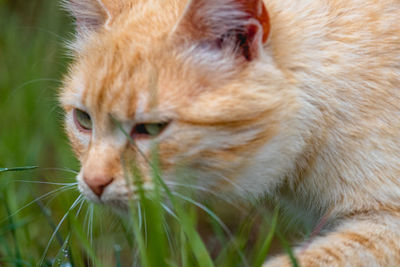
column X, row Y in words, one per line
column 43, row 219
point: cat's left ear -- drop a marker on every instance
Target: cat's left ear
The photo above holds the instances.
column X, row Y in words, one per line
column 92, row 14
column 240, row 25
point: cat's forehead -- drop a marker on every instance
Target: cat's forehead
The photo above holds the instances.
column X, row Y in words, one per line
column 110, row 84
column 119, row 70
column 135, row 68
column 130, row 83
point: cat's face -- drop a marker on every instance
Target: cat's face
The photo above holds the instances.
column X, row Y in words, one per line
column 146, row 81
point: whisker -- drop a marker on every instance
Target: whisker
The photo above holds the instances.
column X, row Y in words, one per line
column 68, row 187
column 203, row 189
column 43, row 30
column 58, row 193
column 223, row 177
column 217, row 219
column 35, row 81
column 200, row 188
column 50, row 221
column 205, row 209
column 48, row 183
column 80, row 208
column 60, row 169
column 76, row 202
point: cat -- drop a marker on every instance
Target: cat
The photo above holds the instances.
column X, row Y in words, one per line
column 254, row 97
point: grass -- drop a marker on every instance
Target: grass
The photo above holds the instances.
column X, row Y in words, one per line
column 43, row 219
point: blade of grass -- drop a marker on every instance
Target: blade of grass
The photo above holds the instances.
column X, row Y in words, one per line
column 63, row 254
column 16, row 262
column 13, row 232
column 80, row 234
column 288, row 249
column 17, row 169
column 263, row 252
column 198, row 247
column 117, row 252
column 136, row 218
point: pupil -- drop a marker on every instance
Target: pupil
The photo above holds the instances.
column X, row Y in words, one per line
column 84, row 119
column 141, row 129
column 148, row 129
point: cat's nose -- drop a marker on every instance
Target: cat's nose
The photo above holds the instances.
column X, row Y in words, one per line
column 98, row 183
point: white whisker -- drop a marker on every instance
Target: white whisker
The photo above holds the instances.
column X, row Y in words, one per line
column 48, row 183
column 207, row 210
column 33, row 82
column 223, row 177
column 60, row 169
column 58, row 193
column 80, row 208
column 217, row 219
column 203, row 189
column 200, row 188
column 43, row 30
column 64, row 188
column 76, row 202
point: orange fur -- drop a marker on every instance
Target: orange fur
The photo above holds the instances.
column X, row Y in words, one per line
column 315, row 108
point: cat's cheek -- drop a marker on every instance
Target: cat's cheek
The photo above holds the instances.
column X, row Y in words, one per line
column 78, row 147
column 79, row 141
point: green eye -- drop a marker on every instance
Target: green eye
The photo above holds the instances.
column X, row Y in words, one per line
column 148, row 129
column 82, row 120
column 154, row 128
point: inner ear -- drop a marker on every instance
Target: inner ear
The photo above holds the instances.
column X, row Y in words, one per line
column 92, row 14
column 244, row 41
column 240, row 25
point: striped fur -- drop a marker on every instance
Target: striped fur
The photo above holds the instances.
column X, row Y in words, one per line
column 315, row 111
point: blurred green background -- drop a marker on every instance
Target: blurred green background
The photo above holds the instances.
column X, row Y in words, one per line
column 32, row 62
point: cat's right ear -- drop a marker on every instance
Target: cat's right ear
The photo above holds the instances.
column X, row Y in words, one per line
column 243, row 26
column 91, row 14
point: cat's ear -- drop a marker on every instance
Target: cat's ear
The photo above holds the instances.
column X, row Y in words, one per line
column 91, row 14
column 241, row 24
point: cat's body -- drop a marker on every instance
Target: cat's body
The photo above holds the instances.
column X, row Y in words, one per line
column 306, row 97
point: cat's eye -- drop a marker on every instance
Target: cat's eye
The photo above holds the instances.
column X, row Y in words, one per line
column 82, row 120
column 143, row 130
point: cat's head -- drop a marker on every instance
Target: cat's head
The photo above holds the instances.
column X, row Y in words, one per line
column 197, row 78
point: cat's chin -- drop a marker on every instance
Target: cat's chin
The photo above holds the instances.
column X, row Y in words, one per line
column 118, row 206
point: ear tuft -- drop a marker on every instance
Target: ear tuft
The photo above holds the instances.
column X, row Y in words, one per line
column 241, row 25
column 89, row 14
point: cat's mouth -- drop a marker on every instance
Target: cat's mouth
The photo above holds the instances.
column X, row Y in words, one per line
column 117, row 195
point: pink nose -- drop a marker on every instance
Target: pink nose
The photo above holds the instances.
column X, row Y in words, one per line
column 98, row 183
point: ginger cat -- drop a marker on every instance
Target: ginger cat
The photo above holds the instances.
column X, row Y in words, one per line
column 254, row 97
